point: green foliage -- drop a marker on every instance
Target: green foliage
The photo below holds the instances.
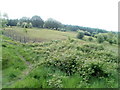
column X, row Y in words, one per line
column 24, row 25
column 100, row 39
column 26, row 83
column 75, row 56
column 30, row 25
column 24, row 19
column 11, row 73
column 90, row 38
column 9, row 56
column 12, row 22
column 103, row 83
column 55, row 82
column 80, row 35
column 87, row 33
column 37, row 21
column 82, row 65
column 111, row 37
column 18, row 24
column 4, row 20
column 89, row 30
column 88, row 60
column 74, row 81
column 52, row 24
column 4, row 23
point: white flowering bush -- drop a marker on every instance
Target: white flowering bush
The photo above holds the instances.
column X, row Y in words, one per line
column 86, row 59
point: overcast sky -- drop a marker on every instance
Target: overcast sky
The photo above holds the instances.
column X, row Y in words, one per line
column 91, row 13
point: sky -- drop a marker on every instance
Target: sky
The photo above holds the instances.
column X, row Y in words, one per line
column 101, row 14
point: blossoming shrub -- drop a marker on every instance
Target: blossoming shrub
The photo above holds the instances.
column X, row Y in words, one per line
column 71, row 56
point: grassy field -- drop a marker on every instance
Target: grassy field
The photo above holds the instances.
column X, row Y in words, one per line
column 42, row 34
column 58, row 61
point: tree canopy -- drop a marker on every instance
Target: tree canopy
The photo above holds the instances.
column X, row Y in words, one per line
column 37, row 21
column 52, row 24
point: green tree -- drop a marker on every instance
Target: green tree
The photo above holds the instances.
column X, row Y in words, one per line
column 37, row 21
column 52, row 24
column 80, row 35
column 112, row 38
column 100, row 38
column 12, row 22
column 4, row 20
column 24, row 19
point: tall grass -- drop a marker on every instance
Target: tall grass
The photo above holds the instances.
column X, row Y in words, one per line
column 67, row 63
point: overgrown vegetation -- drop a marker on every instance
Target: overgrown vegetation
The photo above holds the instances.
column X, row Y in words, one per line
column 49, row 58
column 44, row 65
column 37, row 21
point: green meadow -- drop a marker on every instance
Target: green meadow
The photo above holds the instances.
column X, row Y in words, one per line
column 56, row 59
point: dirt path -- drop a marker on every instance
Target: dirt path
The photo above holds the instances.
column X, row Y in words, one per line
column 25, row 72
column 30, row 67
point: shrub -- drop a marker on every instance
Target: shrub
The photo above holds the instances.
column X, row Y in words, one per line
column 30, row 25
column 53, row 68
column 79, row 58
column 111, row 41
column 90, row 38
column 80, row 35
column 100, row 39
column 87, row 33
column 55, row 82
column 18, row 24
column 24, row 25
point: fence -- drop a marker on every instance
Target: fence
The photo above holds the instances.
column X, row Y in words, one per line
column 23, row 38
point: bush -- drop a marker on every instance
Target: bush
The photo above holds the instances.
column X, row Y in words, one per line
column 87, row 33
column 90, row 38
column 55, row 82
column 53, row 68
column 80, row 35
column 79, row 58
column 26, row 25
column 100, row 39
column 110, row 41
column 30, row 25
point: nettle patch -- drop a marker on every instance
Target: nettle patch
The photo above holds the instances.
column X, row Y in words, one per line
column 70, row 56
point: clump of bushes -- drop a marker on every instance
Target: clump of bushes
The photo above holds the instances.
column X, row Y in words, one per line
column 90, row 38
column 109, row 37
column 25, row 24
column 76, row 67
column 100, row 39
column 75, row 58
column 80, row 35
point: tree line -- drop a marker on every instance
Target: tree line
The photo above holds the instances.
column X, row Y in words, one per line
column 50, row 23
column 36, row 21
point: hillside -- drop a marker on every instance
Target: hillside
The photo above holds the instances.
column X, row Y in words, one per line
column 62, row 63
column 37, row 35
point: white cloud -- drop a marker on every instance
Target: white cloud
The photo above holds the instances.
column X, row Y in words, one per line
column 91, row 13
